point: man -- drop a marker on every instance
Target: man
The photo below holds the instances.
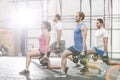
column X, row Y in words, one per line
column 101, row 47
column 59, row 45
column 79, row 47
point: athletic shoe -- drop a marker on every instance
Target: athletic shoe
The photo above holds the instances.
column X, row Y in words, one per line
column 60, row 75
column 24, row 72
column 101, row 73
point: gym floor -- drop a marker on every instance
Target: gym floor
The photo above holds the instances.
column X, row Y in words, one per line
column 11, row 66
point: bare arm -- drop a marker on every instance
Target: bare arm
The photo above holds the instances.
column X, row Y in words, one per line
column 105, row 40
column 58, row 37
column 84, row 36
column 47, row 38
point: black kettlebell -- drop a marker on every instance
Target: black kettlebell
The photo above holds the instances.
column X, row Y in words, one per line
column 95, row 57
column 57, row 50
column 104, row 58
column 75, row 59
column 44, row 61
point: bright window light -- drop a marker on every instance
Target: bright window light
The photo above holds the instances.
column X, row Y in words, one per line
column 24, row 17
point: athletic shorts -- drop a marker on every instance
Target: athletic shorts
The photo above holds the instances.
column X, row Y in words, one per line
column 99, row 52
column 74, row 52
column 62, row 46
column 42, row 54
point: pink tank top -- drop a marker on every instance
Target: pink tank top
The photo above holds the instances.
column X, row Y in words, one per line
column 42, row 44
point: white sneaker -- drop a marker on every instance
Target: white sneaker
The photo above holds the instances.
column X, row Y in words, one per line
column 60, row 75
column 102, row 72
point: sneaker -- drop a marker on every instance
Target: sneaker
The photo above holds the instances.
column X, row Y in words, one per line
column 60, row 75
column 84, row 69
column 66, row 70
column 24, row 72
column 102, row 72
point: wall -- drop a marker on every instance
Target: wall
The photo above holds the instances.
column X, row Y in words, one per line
column 39, row 11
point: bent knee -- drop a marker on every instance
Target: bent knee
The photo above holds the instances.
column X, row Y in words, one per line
column 66, row 53
column 63, row 54
column 29, row 54
column 90, row 51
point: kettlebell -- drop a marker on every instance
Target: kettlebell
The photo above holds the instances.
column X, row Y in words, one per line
column 104, row 58
column 75, row 59
column 83, row 61
column 44, row 61
column 57, row 50
column 95, row 57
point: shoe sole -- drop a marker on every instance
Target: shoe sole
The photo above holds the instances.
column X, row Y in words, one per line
column 61, row 76
column 24, row 73
column 103, row 72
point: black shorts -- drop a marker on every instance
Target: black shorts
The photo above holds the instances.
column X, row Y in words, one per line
column 74, row 52
column 48, row 54
column 42, row 54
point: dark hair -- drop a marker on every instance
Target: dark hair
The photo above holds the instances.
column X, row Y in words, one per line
column 58, row 16
column 100, row 20
column 81, row 14
column 48, row 25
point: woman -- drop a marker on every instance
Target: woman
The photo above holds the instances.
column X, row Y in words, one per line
column 44, row 49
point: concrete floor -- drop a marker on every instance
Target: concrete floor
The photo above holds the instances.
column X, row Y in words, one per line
column 11, row 66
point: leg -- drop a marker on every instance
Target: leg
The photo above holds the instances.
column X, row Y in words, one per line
column 93, row 66
column 64, row 69
column 28, row 60
column 33, row 53
column 89, row 65
column 52, row 66
column 109, row 62
column 64, row 56
column 91, row 51
column 70, row 58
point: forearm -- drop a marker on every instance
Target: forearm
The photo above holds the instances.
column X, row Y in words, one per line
column 84, row 36
column 46, row 50
column 58, row 36
column 105, row 44
column 58, row 40
column 47, row 43
column 84, row 44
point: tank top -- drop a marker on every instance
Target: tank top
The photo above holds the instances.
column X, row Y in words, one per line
column 78, row 38
column 42, row 44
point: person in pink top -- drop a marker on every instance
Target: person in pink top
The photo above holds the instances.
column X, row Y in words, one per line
column 44, row 49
